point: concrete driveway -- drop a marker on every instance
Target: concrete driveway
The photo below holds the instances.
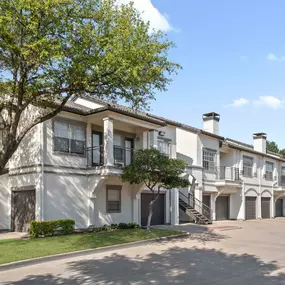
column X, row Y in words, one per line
column 230, row 253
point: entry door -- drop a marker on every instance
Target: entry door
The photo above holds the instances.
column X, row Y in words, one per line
column 97, row 157
column 23, row 210
column 265, row 208
column 250, row 208
column 128, row 151
column 279, row 208
column 222, row 208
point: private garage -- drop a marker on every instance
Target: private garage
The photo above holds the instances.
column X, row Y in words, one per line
column 158, row 217
column 250, row 208
column 265, row 208
column 279, row 208
column 222, row 208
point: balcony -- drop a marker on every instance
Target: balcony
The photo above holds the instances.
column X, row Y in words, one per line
column 279, row 187
column 227, row 173
column 123, row 156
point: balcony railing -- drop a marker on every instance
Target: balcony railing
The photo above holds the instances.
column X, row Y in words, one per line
column 227, row 173
column 95, row 156
column 123, row 156
column 281, row 180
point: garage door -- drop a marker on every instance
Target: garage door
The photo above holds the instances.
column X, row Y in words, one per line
column 222, row 208
column 250, row 208
column 206, row 201
column 265, row 208
column 23, row 209
column 158, row 209
column 279, row 208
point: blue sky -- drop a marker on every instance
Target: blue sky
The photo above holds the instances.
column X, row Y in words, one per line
column 233, row 58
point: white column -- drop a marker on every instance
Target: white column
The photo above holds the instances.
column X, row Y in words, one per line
column 272, row 206
column 108, row 142
column 153, row 138
column 167, row 207
column 174, row 207
column 145, row 140
column 88, row 135
column 213, row 205
column 136, row 208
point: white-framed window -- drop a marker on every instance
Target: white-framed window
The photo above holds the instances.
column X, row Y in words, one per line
column 164, row 147
column 247, row 166
column 113, row 199
column 269, row 166
column 69, row 137
column 209, row 160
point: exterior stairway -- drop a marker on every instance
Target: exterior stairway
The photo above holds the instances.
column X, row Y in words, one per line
column 195, row 209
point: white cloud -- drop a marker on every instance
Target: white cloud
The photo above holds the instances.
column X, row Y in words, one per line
column 273, row 57
column 239, row 102
column 270, row 102
column 158, row 21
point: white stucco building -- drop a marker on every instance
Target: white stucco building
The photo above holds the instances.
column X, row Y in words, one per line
column 70, row 166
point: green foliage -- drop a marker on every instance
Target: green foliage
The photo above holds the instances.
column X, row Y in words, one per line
column 51, row 228
column 56, row 48
column 156, row 170
column 120, row 226
column 282, row 152
column 272, row 146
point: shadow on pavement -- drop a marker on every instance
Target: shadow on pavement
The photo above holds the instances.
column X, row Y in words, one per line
column 176, row 265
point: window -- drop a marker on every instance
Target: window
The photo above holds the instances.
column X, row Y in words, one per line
column 282, row 175
column 114, row 199
column 269, row 170
column 247, row 166
column 164, row 147
column 69, row 137
column 209, row 160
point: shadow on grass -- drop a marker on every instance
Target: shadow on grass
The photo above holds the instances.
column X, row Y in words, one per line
column 175, row 265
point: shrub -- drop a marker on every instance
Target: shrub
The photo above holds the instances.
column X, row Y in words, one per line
column 133, row 225
column 123, row 226
column 114, row 226
column 50, row 228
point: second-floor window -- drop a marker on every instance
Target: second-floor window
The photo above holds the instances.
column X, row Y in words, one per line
column 69, row 137
column 269, row 170
column 164, row 147
column 282, row 175
column 247, row 166
column 209, row 160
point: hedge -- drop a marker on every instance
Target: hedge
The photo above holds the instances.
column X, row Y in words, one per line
column 51, row 228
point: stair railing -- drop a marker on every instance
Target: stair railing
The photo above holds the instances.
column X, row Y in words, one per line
column 197, row 205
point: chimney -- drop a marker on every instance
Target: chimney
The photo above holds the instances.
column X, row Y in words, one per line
column 211, row 122
column 259, row 142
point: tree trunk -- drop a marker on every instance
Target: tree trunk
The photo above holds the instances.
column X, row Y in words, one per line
column 150, row 211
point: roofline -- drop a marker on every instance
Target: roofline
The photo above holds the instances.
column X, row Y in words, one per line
column 253, row 151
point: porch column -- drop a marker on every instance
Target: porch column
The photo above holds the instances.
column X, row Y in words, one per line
column 136, row 208
column 213, row 205
column 153, row 138
column 167, row 207
column 174, row 207
column 108, row 142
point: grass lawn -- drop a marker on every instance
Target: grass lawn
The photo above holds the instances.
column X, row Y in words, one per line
column 14, row 250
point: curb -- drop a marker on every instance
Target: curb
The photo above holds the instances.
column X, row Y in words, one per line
column 56, row 257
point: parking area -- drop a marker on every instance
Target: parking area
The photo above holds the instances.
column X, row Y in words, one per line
column 227, row 253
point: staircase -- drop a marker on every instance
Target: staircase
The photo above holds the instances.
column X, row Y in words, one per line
column 195, row 209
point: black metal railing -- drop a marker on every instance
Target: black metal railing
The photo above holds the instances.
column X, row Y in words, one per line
column 95, row 156
column 281, row 180
column 123, row 156
column 227, row 173
column 196, row 204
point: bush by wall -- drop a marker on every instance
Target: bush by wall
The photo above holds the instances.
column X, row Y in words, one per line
column 120, row 226
column 51, row 228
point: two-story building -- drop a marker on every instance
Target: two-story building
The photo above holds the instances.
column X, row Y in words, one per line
column 70, row 166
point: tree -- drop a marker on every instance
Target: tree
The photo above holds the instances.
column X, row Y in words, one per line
column 282, row 152
column 53, row 49
column 272, row 146
column 156, row 171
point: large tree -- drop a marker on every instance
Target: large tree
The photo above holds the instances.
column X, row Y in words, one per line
column 52, row 49
column 272, row 146
column 156, row 171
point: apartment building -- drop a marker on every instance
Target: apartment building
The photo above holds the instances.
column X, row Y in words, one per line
column 70, row 166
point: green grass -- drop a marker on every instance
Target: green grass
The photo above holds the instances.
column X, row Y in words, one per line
column 14, row 250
